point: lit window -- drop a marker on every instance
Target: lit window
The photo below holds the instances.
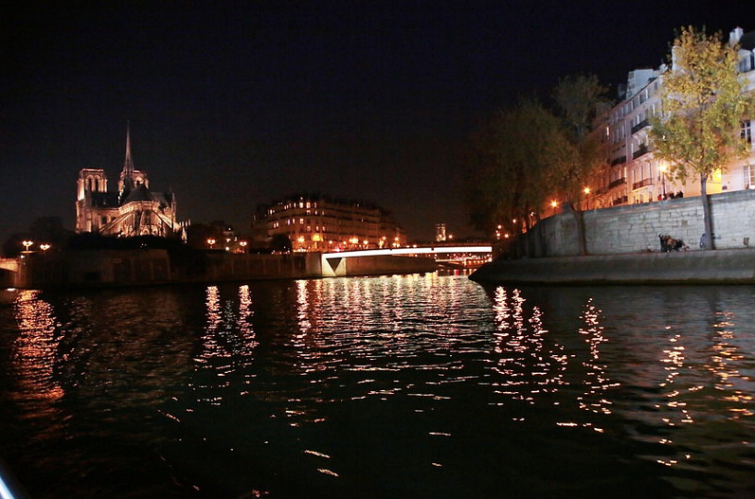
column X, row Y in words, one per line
column 749, row 176
column 747, row 131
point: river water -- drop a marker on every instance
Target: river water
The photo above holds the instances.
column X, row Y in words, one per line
column 385, row 387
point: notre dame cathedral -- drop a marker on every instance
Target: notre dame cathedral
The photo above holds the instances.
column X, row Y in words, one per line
column 133, row 210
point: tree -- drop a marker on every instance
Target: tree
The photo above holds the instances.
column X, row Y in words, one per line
column 577, row 154
column 528, row 153
column 281, row 243
column 703, row 101
column 507, row 182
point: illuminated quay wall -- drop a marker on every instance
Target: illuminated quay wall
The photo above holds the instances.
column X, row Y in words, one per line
column 635, row 228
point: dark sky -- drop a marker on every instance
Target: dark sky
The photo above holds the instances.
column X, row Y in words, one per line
column 232, row 104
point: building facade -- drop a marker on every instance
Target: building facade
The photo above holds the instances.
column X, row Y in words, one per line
column 132, row 210
column 633, row 175
column 323, row 223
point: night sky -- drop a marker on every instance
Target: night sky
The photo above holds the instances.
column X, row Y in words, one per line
column 232, row 104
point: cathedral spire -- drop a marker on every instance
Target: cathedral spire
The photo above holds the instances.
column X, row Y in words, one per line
column 127, row 175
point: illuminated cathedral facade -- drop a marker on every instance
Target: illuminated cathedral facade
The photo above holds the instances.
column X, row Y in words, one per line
column 132, row 210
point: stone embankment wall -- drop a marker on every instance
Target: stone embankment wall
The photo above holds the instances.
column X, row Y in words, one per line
column 635, row 228
column 103, row 268
column 113, row 268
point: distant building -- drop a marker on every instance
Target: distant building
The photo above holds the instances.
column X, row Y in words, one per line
column 132, row 210
column 323, row 223
column 633, row 174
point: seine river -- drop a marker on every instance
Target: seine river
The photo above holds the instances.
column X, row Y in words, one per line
column 385, row 387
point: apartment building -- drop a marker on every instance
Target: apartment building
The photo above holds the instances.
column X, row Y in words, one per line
column 323, row 223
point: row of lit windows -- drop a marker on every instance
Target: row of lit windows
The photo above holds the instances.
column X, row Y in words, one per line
column 339, row 222
column 346, row 210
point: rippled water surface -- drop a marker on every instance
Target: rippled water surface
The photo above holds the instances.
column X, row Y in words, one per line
column 413, row 386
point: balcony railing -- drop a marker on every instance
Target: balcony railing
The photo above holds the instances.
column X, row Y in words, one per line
column 639, row 152
column 619, row 161
column 642, row 183
column 617, row 182
column 639, row 126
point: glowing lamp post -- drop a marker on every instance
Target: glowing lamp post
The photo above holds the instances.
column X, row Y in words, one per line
column 663, row 178
column 211, row 242
column 27, row 244
column 243, row 246
column 44, row 247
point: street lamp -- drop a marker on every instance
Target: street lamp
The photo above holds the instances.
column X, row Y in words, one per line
column 243, row 246
column 663, row 178
column 27, row 244
column 211, row 242
column 44, row 247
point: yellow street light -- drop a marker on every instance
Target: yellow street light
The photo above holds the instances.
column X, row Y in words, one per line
column 663, row 169
column 27, row 244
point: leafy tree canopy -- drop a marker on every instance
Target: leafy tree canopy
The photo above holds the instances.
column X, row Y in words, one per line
column 704, row 99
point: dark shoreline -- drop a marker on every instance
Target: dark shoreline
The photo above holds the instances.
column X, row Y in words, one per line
column 732, row 266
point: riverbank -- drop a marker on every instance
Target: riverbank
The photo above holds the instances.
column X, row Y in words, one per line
column 733, row 266
column 119, row 268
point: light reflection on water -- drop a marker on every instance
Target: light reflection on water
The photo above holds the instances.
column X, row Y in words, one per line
column 431, row 386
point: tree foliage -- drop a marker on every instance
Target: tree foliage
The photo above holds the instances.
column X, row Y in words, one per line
column 509, row 180
column 704, row 99
column 528, row 154
column 577, row 99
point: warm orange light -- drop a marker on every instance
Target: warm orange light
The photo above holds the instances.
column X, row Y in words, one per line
column 27, row 244
column 554, row 204
column 587, row 190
